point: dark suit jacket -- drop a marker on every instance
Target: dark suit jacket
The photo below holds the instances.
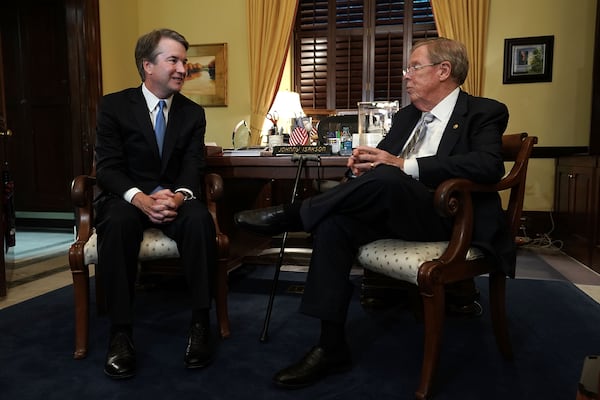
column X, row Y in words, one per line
column 126, row 150
column 470, row 148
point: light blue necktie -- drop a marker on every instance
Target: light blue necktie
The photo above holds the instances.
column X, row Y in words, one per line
column 412, row 147
column 160, row 126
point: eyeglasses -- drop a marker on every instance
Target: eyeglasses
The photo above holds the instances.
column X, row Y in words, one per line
column 411, row 70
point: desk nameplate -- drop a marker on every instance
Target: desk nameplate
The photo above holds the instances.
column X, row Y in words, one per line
column 323, row 150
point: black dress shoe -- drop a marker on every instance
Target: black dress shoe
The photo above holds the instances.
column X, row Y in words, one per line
column 315, row 365
column 471, row 310
column 120, row 359
column 268, row 221
column 199, row 351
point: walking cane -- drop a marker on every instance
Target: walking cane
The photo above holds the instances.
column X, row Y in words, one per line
column 301, row 158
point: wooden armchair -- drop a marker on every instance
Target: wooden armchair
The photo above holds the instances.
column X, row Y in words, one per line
column 155, row 246
column 431, row 265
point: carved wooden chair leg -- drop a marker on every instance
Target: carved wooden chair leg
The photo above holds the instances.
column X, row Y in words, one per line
column 81, row 288
column 433, row 307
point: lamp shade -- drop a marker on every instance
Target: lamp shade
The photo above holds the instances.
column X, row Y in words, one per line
column 287, row 105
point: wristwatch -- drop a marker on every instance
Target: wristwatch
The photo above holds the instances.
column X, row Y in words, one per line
column 186, row 195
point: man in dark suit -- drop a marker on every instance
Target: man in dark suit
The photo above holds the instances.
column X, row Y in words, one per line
column 145, row 183
column 391, row 196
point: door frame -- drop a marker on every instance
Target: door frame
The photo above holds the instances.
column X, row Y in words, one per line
column 85, row 70
column 3, row 136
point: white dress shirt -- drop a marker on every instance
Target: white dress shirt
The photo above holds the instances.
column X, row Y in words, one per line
column 152, row 104
column 435, row 129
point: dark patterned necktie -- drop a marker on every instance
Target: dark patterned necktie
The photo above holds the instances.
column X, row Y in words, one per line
column 412, row 147
column 160, row 126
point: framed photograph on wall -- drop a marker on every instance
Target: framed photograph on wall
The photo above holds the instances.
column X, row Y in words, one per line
column 528, row 60
column 206, row 78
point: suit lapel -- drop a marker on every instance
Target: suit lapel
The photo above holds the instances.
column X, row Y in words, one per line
column 455, row 127
column 412, row 121
column 140, row 110
column 173, row 127
column 402, row 127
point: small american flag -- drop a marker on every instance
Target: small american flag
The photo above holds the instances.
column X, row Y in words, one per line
column 299, row 136
column 303, row 131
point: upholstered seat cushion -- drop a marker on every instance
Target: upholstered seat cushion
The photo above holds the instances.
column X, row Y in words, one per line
column 155, row 245
column 401, row 259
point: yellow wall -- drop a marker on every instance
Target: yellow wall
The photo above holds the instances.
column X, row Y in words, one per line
column 118, row 34
column 558, row 112
column 201, row 22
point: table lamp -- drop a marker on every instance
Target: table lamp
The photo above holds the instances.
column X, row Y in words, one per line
column 286, row 107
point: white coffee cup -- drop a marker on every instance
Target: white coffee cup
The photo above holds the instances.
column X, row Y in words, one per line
column 275, row 140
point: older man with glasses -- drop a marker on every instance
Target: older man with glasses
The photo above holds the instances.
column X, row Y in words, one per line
column 444, row 133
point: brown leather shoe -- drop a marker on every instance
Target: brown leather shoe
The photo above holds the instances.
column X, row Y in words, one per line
column 120, row 359
column 200, row 348
column 314, row 366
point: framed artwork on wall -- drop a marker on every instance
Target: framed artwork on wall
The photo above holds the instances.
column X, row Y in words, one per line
column 206, row 77
column 528, row 60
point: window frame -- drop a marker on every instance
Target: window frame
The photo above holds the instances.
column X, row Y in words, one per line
column 369, row 31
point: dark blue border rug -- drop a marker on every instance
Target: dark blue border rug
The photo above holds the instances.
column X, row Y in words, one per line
column 553, row 327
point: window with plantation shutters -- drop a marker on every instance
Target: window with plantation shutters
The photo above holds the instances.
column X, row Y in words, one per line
column 348, row 51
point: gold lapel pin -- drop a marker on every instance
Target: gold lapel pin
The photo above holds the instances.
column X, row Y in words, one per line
column 455, row 126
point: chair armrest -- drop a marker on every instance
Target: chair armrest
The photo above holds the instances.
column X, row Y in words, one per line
column 214, row 187
column 453, row 198
column 82, row 195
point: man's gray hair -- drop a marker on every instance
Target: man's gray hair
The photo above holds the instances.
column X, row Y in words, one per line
column 442, row 49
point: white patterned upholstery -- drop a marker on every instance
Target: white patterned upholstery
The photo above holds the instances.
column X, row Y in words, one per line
column 400, row 259
column 155, row 245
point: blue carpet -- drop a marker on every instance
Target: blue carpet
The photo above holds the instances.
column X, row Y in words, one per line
column 553, row 326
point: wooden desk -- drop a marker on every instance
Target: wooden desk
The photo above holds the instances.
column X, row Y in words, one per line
column 281, row 167
column 255, row 182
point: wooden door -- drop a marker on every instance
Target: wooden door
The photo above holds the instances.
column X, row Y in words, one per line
column 37, row 88
column 53, row 83
column 4, row 135
column 574, row 205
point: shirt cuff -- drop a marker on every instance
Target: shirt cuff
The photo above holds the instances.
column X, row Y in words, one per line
column 411, row 167
column 128, row 196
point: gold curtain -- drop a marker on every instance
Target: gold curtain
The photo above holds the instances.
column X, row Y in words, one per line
column 467, row 22
column 270, row 25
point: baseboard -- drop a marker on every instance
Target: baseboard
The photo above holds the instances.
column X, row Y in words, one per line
column 45, row 220
column 46, row 224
